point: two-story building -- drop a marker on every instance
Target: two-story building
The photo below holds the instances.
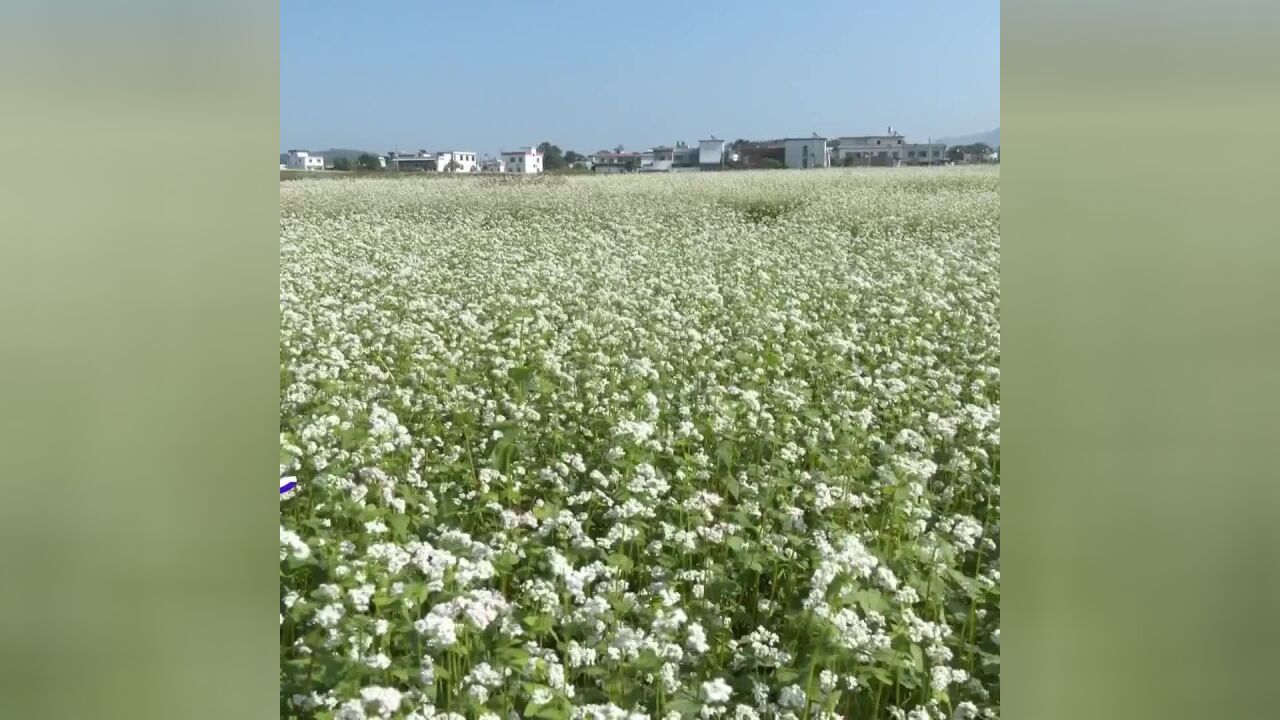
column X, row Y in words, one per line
column 711, row 154
column 875, row 150
column 805, row 153
column 525, row 161
column 463, row 161
column 924, row 153
column 303, row 160
column 605, row 161
column 420, row 161
column 662, row 158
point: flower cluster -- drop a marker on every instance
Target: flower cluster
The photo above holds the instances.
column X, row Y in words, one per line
column 716, row 445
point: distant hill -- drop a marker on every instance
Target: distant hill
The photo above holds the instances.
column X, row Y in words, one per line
column 990, row 137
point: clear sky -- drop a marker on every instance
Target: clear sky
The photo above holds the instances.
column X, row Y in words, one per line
column 485, row 75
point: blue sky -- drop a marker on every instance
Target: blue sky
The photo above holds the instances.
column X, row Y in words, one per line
column 485, row 75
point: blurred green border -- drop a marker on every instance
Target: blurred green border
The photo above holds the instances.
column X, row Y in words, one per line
column 139, row 307
column 1140, row 373
column 138, row 281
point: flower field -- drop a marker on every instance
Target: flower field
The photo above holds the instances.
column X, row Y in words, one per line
column 705, row 445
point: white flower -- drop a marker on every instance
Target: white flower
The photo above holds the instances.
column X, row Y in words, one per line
column 384, row 700
column 716, row 692
column 792, row 697
column 696, row 640
column 540, row 696
column 292, row 546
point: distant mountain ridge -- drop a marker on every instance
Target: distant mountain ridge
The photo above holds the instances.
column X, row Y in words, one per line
column 990, row 137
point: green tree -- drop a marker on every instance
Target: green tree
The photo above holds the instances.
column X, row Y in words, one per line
column 368, row 162
column 573, row 157
column 552, row 158
column 957, row 153
column 341, row 164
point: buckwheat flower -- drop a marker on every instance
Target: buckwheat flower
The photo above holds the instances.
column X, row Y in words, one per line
column 696, row 639
column 378, row 662
column 329, row 615
column 791, row 696
column 941, row 676
column 540, row 696
column 716, row 691
column 439, row 631
column 670, row 677
column 907, row 596
column 350, row 710
column 292, row 546
column 965, row 711
column 827, row 681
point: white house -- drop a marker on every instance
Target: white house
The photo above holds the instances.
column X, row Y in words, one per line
column 669, row 157
column 711, row 154
column 605, row 161
column 525, row 161
column 464, row 161
column 924, row 153
column 869, row 149
column 303, row 160
column 806, row 153
column 493, row 165
column 421, row 161
column 889, row 149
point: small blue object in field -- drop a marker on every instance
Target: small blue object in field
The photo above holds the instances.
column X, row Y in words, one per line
column 287, row 484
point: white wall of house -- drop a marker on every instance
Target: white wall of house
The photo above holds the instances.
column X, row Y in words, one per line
column 710, row 152
column 303, row 160
column 923, row 153
column 466, row 161
column 879, row 149
column 806, row 153
column 523, row 162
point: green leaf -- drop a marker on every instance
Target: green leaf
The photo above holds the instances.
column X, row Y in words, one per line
column 726, row 451
column 539, row 624
column 732, row 486
column 686, row 706
column 620, row 561
column 871, row 600
column 399, row 523
column 917, row 657
column 734, row 542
